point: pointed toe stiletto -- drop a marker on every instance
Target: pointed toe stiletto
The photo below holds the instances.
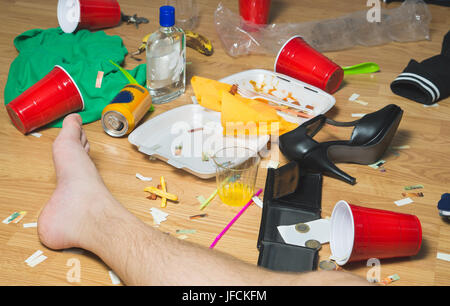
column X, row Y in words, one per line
column 370, row 138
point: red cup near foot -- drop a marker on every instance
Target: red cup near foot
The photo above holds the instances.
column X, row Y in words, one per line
column 255, row 13
column 360, row 233
column 51, row 98
column 88, row 14
column 299, row 60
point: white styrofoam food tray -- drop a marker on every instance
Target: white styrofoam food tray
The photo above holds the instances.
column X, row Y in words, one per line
column 197, row 129
column 283, row 86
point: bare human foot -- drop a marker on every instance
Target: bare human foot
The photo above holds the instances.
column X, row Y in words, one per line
column 80, row 192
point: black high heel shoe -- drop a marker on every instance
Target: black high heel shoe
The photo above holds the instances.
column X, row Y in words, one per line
column 370, row 138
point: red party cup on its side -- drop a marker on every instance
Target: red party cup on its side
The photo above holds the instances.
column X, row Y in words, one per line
column 52, row 97
column 255, row 12
column 299, row 60
column 88, row 14
column 360, row 233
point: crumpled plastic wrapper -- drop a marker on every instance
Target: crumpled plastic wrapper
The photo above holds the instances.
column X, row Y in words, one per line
column 408, row 22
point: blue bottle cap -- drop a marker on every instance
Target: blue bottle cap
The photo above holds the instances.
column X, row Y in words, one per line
column 167, row 16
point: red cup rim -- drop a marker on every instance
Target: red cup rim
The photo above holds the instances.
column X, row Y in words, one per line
column 76, row 86
column 342, row 259
column 65, row 23
column 281, row 49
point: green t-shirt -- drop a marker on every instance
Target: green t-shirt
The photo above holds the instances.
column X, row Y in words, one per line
column 82, row 54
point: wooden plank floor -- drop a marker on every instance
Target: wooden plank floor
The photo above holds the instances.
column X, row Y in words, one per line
column 27, row 176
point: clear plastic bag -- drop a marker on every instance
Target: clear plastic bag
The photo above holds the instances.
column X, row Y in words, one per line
column 408, row 22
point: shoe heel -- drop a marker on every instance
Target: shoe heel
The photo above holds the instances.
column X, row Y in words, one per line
column 320, row 161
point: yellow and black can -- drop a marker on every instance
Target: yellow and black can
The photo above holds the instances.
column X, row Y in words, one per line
column 125, row 111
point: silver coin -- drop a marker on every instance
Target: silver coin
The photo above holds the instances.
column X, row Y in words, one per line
column 327, row 265
column 313, row 244
column 302, row 228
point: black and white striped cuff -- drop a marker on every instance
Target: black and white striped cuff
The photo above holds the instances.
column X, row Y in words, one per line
column 416, row 87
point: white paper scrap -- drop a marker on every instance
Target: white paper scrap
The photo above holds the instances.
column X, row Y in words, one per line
column 272, row 164
column 34, row 256
column 443, row 256
column 403, row 201
column 27, row 225
column 143, row 178
column 37, row 261
column 319, row 230
column 158, row 215
column 257, row 201
column 354, row 98
column 38, row 135
column 114, row 278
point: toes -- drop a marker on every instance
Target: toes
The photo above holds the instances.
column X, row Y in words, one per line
column 71, row 128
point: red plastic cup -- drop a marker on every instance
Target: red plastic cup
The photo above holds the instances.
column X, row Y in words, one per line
column 299, row 60
column 255, row 12
column 52, row 97
column 88, row 14
column 360, row 233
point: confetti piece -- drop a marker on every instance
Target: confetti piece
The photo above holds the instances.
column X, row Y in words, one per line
column 271, row 164
column 207, row 201
column 414, row 187
column 98, row 81
column 182, row 237
column 37, row 261
column 143, row 178
column 390, row 279
column 196, row 130
column 377, row 164
column 401, row 147
column 186, row 231
column 443, row 256
column 37, row 135
column 412, row 194
column 34, row 256
column 358, row 115
column 403, row 202
column 11, row 218
column 432, row 105
column 201, row 199
column 258, row 201
column 20, row 217
column 28, row 225
column 198, row 216
column 114, row 278
column 158, row 215
column 354, row 98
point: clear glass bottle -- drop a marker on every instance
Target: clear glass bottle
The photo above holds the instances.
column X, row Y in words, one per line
column 166, row 59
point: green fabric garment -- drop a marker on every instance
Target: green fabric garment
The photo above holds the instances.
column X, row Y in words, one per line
column 82, row 54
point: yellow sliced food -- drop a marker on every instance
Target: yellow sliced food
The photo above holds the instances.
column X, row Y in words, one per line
column 161, row 193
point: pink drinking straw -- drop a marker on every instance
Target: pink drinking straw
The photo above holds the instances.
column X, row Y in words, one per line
column 233, row 220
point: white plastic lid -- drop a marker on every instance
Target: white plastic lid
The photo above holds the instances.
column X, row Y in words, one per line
column 68, row 15
column 342, row 233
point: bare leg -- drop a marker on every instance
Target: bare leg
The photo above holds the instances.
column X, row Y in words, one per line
column 83, row 213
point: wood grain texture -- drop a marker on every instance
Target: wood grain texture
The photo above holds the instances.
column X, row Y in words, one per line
column 27, row 177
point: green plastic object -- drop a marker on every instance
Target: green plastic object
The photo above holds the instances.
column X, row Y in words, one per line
column 83, row 54
column 361, row 68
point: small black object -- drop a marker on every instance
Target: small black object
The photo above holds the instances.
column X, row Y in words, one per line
column 134, row 19
column 427, row 82
column 301, row 204
column 370, row 138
